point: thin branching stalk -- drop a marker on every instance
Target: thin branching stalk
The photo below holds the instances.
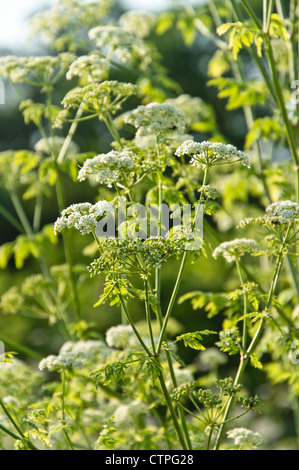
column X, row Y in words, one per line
column 245, row 357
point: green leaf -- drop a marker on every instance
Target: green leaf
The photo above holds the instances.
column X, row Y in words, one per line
column 242, row 35
column 165, row 22
column 6, row 252
column 114, row 371
column 193, row 340
column 267, row 128
column 255, row 362
column 251, row 93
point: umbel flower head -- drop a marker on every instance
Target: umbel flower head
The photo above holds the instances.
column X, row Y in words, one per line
column 90, row 68
column 234, row 249
column 109, row 168
column 206, row 154
column 83, row 216
column 65, row 360
column 126, row 45
column 36, row 71
column 284, row 209
column 281, row 213
column 138, row 22
column 97, row 99
column 244, row 437
column 157, row 119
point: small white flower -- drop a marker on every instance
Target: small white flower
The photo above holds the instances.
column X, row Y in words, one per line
column 89, row 349
column 138, row 22
column 245, row 437
column 54, row 145
column 121, row 337
column 157, row 119
column 234, row 249
column 91, row 68
column 125, row 414
column 285, row 209
column 64, row 360
column 83, row 216
column 205, row 154
column 108, row 168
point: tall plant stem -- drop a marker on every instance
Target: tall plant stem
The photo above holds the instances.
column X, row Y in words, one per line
column 172, row 301
column 161, row 378
column 67, row 247
column 148, row 315
column 61, row 206
column 172, row 412
column 27, row 227
column 16, row 426
column 158, row 282
column 66, row 434
column 244, row 336
column 70, row 136
column 11, row 219
column 245, row 356
column 276, row 84
column 178, row 280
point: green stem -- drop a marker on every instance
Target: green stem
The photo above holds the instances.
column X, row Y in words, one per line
column 13, row 422
column 172, row 301
column 148, row 315
column 178, row 280
column 67, row 247
column 20, row 212
column 9, row 433
column 70, row 136
column 130, row 321
column 268, row 9
column 11, row 219
column 66, row 434
column 244, row 359
column 161, row 378
column 20, row 349
column 17, row 428
column 37, row 213
column 112, row 128
column 244, row 336
column 254, row 53
column 172, row 412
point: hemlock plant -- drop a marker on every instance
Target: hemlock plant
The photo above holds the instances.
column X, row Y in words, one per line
column 127, row 387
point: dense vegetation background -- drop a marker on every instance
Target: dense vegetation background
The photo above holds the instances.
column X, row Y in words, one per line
column 187, row 61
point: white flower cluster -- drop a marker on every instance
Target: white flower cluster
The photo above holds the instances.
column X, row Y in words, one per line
column 234, row 249
column 89, row 349
column 90, row 68
column 194, row 108
column 97, row 98
column 205, row 154
column 65, row 360
column 127, row 414
column 156, row 119
column 83, row 216
column 244, row 437
column 47, row 146
column 108, row 167
column 121, row 337
column 123, row 43
column 284, row 209
column 36, row 69
column 65, row 20
column 138, row 22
